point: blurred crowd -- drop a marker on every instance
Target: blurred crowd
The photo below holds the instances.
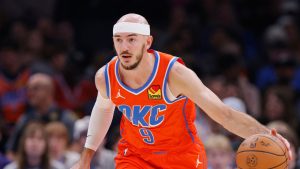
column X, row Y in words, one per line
column 247, row 52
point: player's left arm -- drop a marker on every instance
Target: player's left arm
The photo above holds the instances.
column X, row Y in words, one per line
column 183, row 81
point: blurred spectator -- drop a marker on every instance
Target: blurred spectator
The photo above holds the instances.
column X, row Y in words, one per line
column 104, row 158
column 239, row 88
column 290, row 7
column 13, row 78
column 281, row 67
column 40, row 91
column 72, row 92
column 216, row 84
column 205, row 125
column 291, row 29
column 278, row 105
column 235, row 103
column 35, row 44
column 80, row 133
column 222, row 55
column 27, row 8
column 33, row 152
column 287, row 132
column 58, row 137
column 3, row 159
column 219, row 152
column 251, row 95
column 282, row 71
column 46, row 27
column 19, row 33
column 231, row 43
column 231, row 66
column 65, row 35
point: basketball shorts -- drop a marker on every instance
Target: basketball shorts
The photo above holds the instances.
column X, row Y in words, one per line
column 193, row 157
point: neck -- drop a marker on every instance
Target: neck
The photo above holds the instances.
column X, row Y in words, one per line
column 33, row 161
column 58, row 155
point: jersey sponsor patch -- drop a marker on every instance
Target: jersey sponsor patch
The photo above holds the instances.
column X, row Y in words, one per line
column 154, row 92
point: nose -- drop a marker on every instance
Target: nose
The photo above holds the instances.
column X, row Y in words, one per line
column 124, row 46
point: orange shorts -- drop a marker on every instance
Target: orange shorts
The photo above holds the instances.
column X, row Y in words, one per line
column 193, row 157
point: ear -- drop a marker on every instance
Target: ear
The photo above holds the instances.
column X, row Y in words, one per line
column 149, row 42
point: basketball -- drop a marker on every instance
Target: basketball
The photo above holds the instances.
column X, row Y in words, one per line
column 262, row 151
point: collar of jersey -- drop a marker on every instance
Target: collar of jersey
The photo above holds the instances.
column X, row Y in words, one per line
column 149, row 81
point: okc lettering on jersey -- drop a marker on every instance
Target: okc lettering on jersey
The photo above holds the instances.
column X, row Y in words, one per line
column 137, row 114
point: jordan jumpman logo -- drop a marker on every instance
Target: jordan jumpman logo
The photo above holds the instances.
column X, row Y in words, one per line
column 119, row 95
column 198, row 162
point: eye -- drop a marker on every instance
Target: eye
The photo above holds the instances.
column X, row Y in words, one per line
column 131, row 39
column 118, row 40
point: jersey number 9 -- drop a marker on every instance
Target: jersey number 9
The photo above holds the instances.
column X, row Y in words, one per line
column 147, row 136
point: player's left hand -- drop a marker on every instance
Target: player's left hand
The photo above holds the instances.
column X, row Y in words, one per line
column 285, row 142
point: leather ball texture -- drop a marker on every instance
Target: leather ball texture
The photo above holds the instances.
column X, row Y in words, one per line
column 262, row 151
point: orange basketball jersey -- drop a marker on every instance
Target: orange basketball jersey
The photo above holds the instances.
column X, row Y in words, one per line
column 151, row 121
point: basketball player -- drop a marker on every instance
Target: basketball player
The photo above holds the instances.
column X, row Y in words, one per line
column 156, row 94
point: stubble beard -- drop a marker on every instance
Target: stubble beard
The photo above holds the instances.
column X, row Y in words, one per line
column 138, row 60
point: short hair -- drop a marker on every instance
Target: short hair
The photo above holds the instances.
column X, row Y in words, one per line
column 218, row 141
column 58, row 129
column 133, row 17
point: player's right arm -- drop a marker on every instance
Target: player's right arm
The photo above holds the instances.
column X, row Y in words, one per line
column 100, row 121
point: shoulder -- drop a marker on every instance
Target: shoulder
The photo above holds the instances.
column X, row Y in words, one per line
column 71, row 158
column 56, row 165
column 106, row 158
column 182, row 80
column 178, row 73
column 108, row 154
column 100, row 75
column 179, row 70
column 68, row 116
column 100, row 81
column 3, row 161
column 12, row 165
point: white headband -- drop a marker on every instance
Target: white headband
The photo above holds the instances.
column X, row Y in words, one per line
column 130, row 27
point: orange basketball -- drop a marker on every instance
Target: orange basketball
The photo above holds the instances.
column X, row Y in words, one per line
column 262, row 151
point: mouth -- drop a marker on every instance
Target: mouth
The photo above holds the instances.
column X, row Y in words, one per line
column 126, row 56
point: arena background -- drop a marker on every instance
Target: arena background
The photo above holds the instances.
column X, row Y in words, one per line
column 247, row 52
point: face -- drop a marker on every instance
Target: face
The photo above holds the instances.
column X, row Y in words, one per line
column 10, row 60
column 59, row 61
column 35, row 41
column 131, row 48
column 35, row 145
column 57, row 145
column 37, row 93
column 274, row 107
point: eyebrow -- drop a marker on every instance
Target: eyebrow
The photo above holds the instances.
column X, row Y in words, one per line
column 133, row 34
